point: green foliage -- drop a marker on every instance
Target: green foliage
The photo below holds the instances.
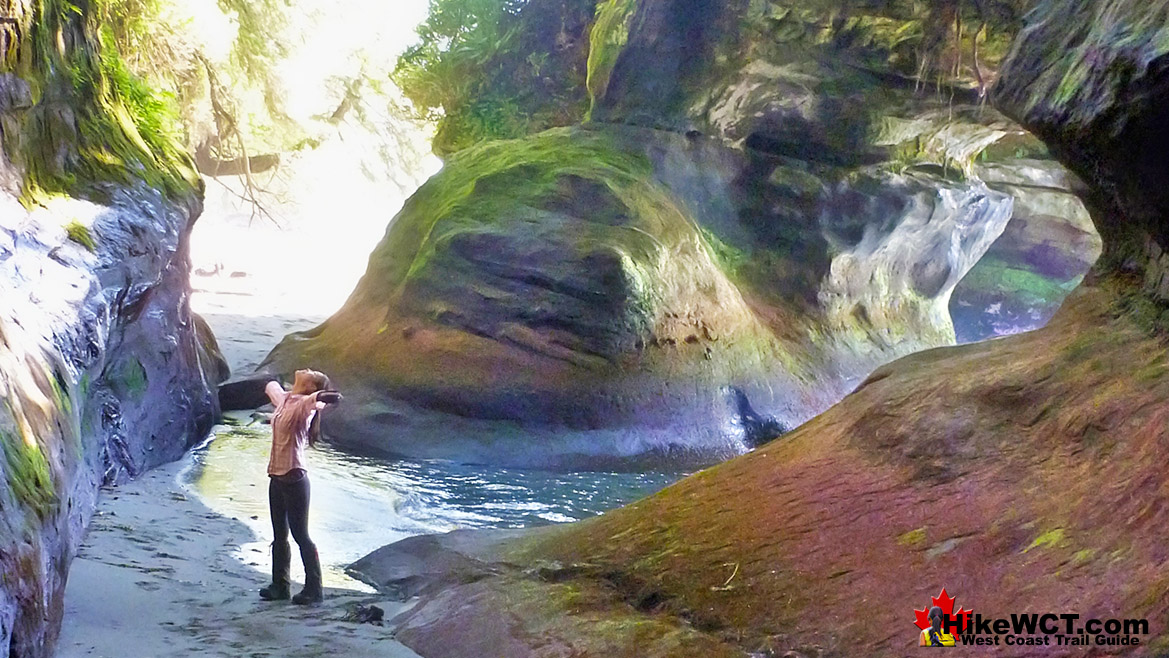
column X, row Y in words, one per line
column 154, row 113
column 158, row 46
column 116, row 128
column 495, row 69
column 257, row 44
column 178, row 91
column 456, row 41
column 80, row 234
column 138, row 30
column 484, row 119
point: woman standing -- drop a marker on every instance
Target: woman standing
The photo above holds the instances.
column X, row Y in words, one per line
column 294, row 425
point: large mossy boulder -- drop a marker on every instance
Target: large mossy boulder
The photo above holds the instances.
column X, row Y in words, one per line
column 763, row 208
column 1022, row 474
column 621, row 292
column 552, row 282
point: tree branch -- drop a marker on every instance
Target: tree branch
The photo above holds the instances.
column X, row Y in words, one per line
column 209, row 165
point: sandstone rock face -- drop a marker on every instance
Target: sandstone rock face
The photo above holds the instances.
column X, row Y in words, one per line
column 1047, row 247
column 1021, row 473
column 762, row 211
column 549, row 282
column 621, row 289
column 104, row 371
column 1088, row 77
column 103, row 377
column 1050, row 444
column 827, row 88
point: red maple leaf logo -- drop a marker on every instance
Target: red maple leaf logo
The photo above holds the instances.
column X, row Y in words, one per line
column 946, row 603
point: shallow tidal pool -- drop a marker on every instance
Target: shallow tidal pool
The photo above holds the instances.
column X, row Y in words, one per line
column 359, row 504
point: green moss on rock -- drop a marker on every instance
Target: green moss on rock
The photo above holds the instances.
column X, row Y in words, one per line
column 913, row 537
column 91, row 122
column 80, row 234
column 1011, row 428
column 996, row 275
column 128, row 379
column 1052, row 538
column 606, row 39
column 729, row 257
column 488, row 182
column 27, row 473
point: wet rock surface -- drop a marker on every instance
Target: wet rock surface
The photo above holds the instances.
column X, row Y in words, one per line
column 243, row 394
column 1020, row 473
column 430, row 563
column 763, row 202
column 104, row 372
column 105, row 376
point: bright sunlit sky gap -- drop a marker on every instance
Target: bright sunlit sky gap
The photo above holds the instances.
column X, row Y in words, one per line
column 333, row 203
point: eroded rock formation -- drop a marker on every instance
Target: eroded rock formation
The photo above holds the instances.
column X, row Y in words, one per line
column 1023, row 474
column 104, row 371
column 764, row 208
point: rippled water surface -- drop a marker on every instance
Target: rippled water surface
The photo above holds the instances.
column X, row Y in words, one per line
column 359, row 504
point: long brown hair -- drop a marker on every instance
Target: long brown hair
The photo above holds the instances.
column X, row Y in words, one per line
column 320, row 382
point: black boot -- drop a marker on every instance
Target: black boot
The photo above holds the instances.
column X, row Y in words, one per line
column 312, row 592
column 281, row 562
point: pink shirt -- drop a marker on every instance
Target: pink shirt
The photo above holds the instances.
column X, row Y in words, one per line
column 290, row 431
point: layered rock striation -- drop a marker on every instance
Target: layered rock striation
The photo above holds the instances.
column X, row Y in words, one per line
column 1023, row 474
column 763, row 208
column 104, row 371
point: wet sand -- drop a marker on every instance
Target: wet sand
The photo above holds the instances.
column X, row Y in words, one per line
column 160, row 574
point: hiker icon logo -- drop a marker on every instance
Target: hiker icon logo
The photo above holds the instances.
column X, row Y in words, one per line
column 939, row 623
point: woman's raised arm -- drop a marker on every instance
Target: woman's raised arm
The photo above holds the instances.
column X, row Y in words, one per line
column 275, row 392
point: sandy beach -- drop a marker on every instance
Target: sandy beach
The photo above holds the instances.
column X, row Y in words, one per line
column 160, row 575
column 163, row 574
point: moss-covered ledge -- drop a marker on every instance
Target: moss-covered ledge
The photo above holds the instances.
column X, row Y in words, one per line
column 74, row 118
column 102, row 372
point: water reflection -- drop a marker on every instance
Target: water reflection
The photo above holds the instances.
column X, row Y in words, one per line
column 360, row 504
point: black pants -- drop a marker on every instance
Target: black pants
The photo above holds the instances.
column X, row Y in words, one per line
column 288, row 497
